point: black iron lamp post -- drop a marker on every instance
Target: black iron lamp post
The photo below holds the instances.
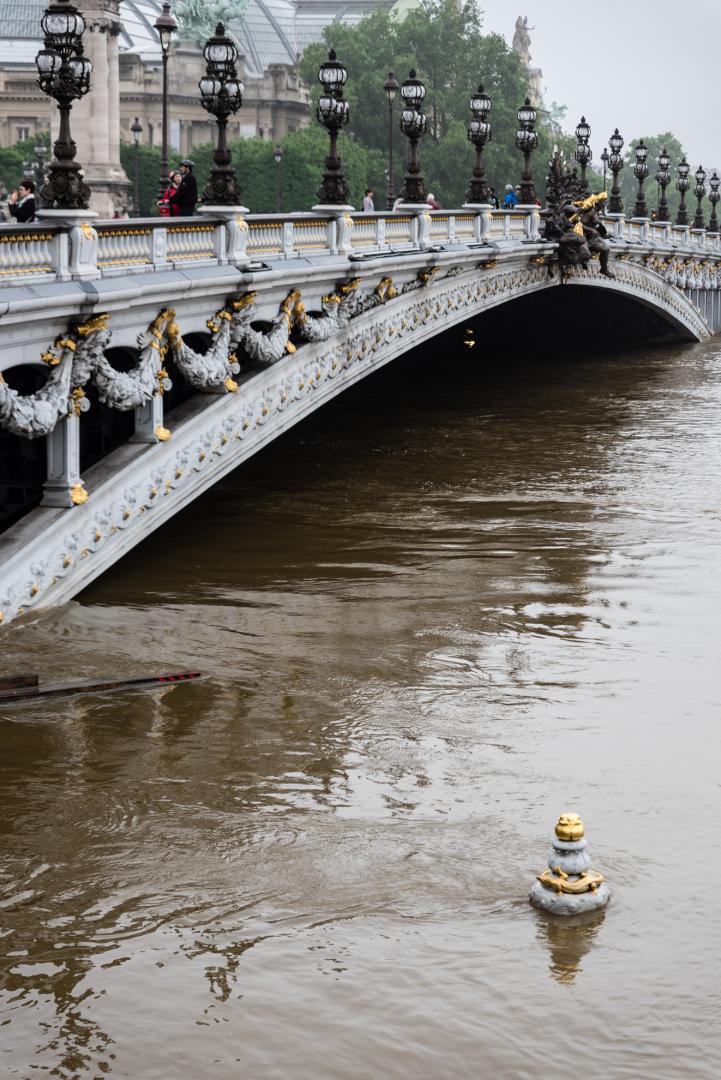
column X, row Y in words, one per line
column 683, row 185
column 640, row 171
column 714, row 196
column 64, row 74
column 479, row 133
column 41, row 152
column 526, row 142
column 136, row 130
column 166, row 26
column 277, row 158
column 663, row 178
column 413, row 126
column 333, row 112
column 583, row 150
column 221, row 94
column 700, row 193
column 391, row 87
column 615, row 163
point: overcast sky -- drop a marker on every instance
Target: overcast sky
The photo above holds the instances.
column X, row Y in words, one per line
column 643, row 67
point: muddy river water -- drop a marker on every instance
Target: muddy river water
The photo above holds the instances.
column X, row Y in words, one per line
column 468, row 596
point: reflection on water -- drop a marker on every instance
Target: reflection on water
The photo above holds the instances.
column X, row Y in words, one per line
column 464, row 599
column 568, row 940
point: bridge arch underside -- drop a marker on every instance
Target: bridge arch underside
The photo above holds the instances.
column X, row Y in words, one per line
column 577, row 316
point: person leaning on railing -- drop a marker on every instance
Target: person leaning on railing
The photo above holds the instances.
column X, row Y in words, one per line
column 21, row 203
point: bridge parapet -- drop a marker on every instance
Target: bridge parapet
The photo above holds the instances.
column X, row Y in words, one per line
column 49, row 252
column 146, row 245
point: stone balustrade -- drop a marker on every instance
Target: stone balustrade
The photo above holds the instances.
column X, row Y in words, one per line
column 146, row 244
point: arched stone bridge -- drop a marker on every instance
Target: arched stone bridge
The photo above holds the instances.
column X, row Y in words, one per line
column 259, row 321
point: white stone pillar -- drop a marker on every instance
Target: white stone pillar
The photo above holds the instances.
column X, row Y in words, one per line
column 95, row 119
column 63, row 486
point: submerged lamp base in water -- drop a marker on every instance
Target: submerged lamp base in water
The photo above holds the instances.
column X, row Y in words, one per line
column 569, row 886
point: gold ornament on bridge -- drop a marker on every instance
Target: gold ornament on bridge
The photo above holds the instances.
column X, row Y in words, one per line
column 98, row 322
column 78, row 494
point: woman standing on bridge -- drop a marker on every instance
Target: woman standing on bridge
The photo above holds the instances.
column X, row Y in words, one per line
column 165, row 207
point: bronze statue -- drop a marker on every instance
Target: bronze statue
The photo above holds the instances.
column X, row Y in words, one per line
column 573, row 220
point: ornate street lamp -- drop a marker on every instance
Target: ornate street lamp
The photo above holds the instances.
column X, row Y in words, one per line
column 640, row 171
column 333, row 112
column 166, row 26
column 479, row 133
column 277, row 158
column 41, row 152
column 136, row 130
column 605, row 158
column 221, row 94
column 526, row 142
column 615, row 162
column 391, row 87
column 583, row 150
column 714, row 196
column 64, row 74
column 663, row 179
column 413, row 126
column 700, row 193
column 683, row 185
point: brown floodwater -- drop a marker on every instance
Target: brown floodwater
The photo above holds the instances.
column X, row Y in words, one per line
column 468, row 596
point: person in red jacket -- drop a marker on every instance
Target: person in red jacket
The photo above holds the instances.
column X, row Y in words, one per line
column 165, row 207
column 183, row 200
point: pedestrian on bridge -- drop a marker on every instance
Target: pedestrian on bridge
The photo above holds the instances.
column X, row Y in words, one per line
column 164, row 208
column 368, row 206
column 183, row 200
column 21, row 203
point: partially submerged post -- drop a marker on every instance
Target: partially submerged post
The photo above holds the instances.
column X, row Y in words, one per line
column 569, row 886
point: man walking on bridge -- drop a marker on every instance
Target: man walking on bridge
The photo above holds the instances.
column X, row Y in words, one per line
column 184, row 198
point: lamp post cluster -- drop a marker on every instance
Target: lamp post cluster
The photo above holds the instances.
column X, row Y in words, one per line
column 333, row 112
column 413, row 126
column 615, row 163
column 221, row 94
column 683, row 185
column 713, row 197
column 166, row 26
column 64, row 74
column 36, row 170
column 479, row 133
column 391, row 87
column 663, row 179
column 700, row 193
column 527, row 141
column 640, row 171
column 583, row 150
column 136, row 130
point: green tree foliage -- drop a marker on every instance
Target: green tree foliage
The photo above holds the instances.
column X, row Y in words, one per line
column 148, row 176
column 445, row 42
column 629, row 184
column 13, row 159
column 265, row 185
